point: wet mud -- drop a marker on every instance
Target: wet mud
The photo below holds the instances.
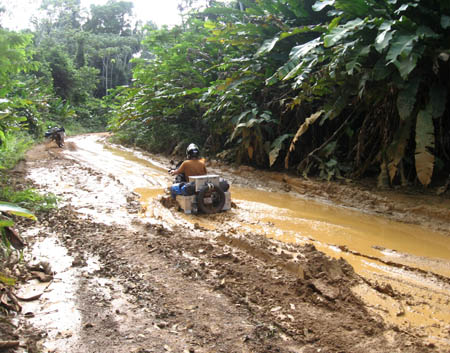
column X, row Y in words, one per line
column 289, row 268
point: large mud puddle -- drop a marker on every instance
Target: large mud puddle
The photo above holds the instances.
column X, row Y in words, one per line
column 407, row 266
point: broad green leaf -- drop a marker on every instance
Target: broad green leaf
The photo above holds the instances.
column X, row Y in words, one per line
column 425, row 141
column 384, row 37
column 300, row 51
column 406, row 99
column 298, row 8
column 16, row 210
column 406, row 65
column 303, row 29
column 401, row 45
column 353, row 7
column 4, row 114
column 404, row 7
column 294, row 71
column 354, row 63
column 341, row 32
column 320, row 5
column 334, row 22
column 267, row 46
column 241, row 116
column 276, row 147
column 331, row 163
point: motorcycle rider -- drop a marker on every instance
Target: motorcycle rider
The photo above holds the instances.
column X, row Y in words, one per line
column 193, row 166
column 56, row 134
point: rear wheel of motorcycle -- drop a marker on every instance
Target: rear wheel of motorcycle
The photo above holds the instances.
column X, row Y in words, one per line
column 210, row 199
column 59, row 141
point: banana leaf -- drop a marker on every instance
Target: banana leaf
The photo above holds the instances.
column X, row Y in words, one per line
column 16, row 210
column 301, row 130
column 425, row 140
column 276, row 147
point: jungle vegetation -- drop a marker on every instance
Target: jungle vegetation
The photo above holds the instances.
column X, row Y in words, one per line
column 333, row 88
column 58, row 72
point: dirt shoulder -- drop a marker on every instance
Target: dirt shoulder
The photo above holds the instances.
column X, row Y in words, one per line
column 164, row 288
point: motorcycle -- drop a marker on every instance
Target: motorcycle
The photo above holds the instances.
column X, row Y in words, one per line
column 204, row 193
column 56, row 134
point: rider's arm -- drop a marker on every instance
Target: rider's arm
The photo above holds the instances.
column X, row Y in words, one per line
column 179, row 170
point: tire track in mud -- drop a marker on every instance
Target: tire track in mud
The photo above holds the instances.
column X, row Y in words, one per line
column 420, row 271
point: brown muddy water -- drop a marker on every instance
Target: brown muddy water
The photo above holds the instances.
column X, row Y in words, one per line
column 414, row 261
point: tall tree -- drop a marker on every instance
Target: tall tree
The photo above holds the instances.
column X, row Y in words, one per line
column 112, row 18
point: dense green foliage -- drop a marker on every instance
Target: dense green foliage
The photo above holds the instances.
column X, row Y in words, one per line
column 83, row 57
column 339, row 88
column 57, row 74
column 336, row 88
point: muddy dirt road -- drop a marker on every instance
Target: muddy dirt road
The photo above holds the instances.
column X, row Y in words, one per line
column 295, row 266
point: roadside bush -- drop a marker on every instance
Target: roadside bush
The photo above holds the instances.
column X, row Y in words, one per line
column 28, row 198
column 12, row 148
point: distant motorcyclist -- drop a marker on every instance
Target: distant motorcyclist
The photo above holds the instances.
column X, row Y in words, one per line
column 193, row 166
column 56, row 134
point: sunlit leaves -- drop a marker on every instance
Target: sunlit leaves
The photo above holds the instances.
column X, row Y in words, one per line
column 401, row 45
column 267, row 46
column 405, row 7
column 339, row 33
column 384, row 36
column 321, row 4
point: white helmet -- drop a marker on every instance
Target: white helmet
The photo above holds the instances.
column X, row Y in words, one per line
column 192, row 151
